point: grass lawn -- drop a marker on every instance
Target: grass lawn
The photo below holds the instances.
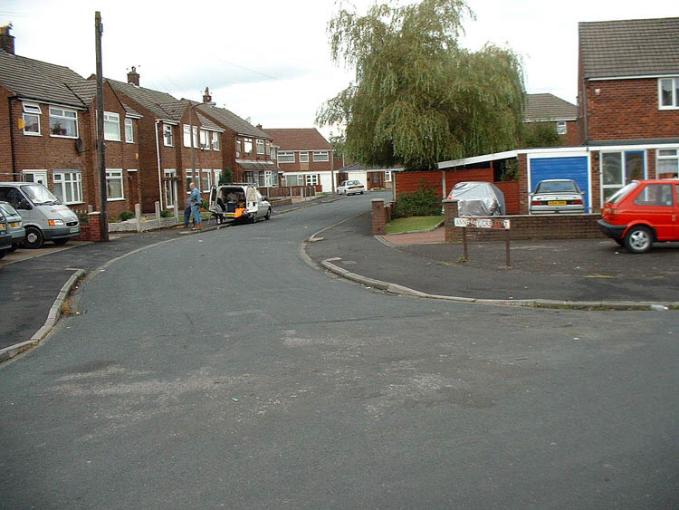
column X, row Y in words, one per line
column 412, row 224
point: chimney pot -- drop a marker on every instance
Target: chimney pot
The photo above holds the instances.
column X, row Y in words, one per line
column 133, row 76
column 7, row 39
column 259, row 126
column 207, row 98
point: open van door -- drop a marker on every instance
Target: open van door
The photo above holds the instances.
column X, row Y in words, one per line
column 213, row 200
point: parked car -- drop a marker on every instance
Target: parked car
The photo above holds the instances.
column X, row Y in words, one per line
column 44, row 217
column 557, row 196
column 351, row 188
column 478, row 199
column 641, row 213
column 14, row 226
column 5, row 236
column 239, row 202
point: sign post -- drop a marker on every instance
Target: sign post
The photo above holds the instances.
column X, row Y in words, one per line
column 485, row 224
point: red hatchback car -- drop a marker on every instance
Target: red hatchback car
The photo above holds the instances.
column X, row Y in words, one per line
column 642, row 213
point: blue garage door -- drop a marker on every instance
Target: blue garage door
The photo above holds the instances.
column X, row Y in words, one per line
column 561, row 168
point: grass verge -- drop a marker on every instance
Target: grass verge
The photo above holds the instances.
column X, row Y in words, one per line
column 412, row 224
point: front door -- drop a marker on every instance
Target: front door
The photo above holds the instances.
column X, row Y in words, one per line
column 170, row 188
column 39, row 176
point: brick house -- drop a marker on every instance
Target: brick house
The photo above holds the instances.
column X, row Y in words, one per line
column 557, row 112
column 247, row 150
column 628, row 100
column 47, row 132
column 628, row 114
column 305, row 157
column 178, row 144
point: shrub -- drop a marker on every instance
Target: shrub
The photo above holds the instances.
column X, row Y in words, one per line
column 126, row 215
column 205, row 205
column 166, row 213
column 423, row 202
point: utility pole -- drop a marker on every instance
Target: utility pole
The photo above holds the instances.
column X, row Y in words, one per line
column 101, row 149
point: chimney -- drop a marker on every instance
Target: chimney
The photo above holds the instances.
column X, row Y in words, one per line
column 133, row 76
column 259, row 126
column 207, row 98
column 7, row 39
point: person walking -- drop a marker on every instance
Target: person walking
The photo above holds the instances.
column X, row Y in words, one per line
column 195, row 201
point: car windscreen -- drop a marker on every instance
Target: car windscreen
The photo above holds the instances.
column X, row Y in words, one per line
column 622, row 192
column 39, row 194
column 557, row 187
column 8, row 210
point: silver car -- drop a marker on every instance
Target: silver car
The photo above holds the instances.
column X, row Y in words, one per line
column 14, row 225
column 351, row 188
column 557, row 196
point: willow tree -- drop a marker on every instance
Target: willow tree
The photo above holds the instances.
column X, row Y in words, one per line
column 417, row 96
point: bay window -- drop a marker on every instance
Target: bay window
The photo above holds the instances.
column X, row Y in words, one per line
column 215, row 141
column 260, row 146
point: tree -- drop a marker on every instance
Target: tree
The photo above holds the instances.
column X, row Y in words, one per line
column 418, row 98
column 540, row 134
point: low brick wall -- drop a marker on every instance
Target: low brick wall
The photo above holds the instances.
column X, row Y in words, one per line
column 538, row 227
column 380, row 216
column 91, row 231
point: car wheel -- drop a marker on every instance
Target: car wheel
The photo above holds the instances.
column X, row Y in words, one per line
column 268, row 214
column 60, row 242
column 361, row 192
column 34, row 238
column 639, row 239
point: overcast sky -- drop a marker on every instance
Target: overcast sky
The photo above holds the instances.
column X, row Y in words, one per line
column 268, row 60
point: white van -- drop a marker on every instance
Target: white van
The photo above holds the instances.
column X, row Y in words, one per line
column 239, row 202
column 43, row 215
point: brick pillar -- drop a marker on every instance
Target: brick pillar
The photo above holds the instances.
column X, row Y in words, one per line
column 450, row 213
column 378, row 216
column 94, row 226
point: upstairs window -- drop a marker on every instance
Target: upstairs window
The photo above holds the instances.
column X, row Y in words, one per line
column 286, row 157
column 129, row 131
column 31, row 116
column 303, row 157
column 204, row 140
column 215, row 141
column 111, row 126
column 668, row 92
column 260, row 146
column 168, row 139
column 238, row 148
column 561, row 127
column 321, row 156
column 247, row 145
column 63, row 122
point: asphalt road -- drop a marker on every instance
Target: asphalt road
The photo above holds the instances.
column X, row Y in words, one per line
column 220, row 371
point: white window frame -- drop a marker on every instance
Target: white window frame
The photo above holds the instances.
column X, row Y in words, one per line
column 561, row 127
column 623, row 169
column 110, row 118
column 321, row 156
column 311, row 179
column 37, row 176
column 674, row 80
column 387, row 176
column 208, row 172
column 285, row 154
column 216, row 144
column 191, row 173
column 129, row 123
column 674, row 157
column 260, row 146
column 115, row 174
column 52, row 114
column 167, row 130
column 75, row 182
column 303, row 156
column 204, row 140
column 247, row 145
column 217, row 176
column 31, row 110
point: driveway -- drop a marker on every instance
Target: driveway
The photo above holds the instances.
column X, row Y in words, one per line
column 228, row 373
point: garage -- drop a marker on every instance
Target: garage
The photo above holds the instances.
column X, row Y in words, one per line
column 561, row 167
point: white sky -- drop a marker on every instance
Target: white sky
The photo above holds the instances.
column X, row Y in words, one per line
column 268, row 60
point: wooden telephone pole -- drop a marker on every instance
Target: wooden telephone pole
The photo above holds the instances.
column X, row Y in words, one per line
column 101, row 148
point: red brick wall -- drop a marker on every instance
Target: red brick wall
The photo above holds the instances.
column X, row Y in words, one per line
column 572, row 137
column 412, row 180
column 555, row 226
column 523, row 184
column 5, row 141
column 628, row 110
column 510, row 189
